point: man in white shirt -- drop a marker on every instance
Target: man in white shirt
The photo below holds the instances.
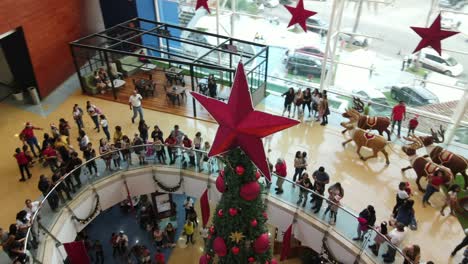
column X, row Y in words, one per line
column 31, row 208
column 135, row 104
column 188, row 205
column 122, row 242
column 396, row 236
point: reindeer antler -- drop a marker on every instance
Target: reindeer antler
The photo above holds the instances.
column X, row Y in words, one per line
column 442, row 133
column 416, row 142
column 435, row 135
column 358, row 105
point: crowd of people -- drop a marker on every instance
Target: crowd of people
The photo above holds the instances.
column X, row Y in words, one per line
column 316, row 103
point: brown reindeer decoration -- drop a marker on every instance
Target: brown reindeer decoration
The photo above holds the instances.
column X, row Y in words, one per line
column 379, row 123
column 456, row 163
column 422, row 166
column 365, row 139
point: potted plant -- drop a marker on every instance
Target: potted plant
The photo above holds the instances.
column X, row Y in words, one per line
column 17, row 92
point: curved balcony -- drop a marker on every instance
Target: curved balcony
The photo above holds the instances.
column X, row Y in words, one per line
column 98, row 193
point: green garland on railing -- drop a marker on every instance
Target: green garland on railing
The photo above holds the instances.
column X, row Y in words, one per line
column 166, row 188
column 92, row 215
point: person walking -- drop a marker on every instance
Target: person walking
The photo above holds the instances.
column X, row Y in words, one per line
column 401, row 196
column 405, row 213
column 189, row 229
column 94, row 113
column 398, row 115
column 462, row 244
column 366, row 220
column 23, row 163
column 27, row 136
column 135, row 104
column 78, row 117
column 435, row 180
column 412, row 253
column 306, row 185
column 321, row 179
column 335, row 194
column 105, row 126
column 288, row 100
column 281, row 171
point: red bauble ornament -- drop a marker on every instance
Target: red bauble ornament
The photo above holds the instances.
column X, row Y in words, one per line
column 253, row 223
column 274, row 261
column 265, row 215
column 257, row 175
column 250, row 191
column 235, row 250
column 232, row 211
column 251, row 259
column 219, row 247
column 212, row 229
column 240, row 170
column 220, row 186
column 220, row 212
column 204, row 259
column 261, row 244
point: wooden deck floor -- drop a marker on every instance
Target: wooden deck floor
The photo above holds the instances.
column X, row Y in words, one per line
column 159, row 101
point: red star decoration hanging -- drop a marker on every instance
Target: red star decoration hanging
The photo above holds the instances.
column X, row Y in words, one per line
column 240, row 125
column 432, row 36
column 299, row 14
column 202, row 3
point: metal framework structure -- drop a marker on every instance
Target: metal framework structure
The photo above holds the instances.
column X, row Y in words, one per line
column 163, row 43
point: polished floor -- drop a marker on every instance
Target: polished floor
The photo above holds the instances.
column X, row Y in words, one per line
column 365, row 183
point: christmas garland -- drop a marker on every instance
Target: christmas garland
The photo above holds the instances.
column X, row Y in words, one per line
column 166, row 188
column 92, row 215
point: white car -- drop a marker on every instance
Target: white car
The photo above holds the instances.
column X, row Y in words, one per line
column 449, row 21
column 271, row 3
column 348, row 37
column 444, row 63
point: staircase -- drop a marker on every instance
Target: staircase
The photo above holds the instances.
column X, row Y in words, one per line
column 185, row 15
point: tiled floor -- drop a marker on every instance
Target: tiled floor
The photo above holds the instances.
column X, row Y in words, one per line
column 365, row 183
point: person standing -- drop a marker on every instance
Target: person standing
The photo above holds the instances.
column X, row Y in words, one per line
column 379, row 238
column 135, row 104
column 75, row 164
column 366, row 219
column 78, row 116
column 401, row 196
column 99, row 251
column 188, row 206
column 105, row 126
column 412, row 253
column 396, row 236
column 197, row 144
column 122, row 243
column 307, row 100
column 298, row 169
column 451, row 199
column 143, row 129
column 406, row 214
column 413, row 124
column 281, row 172
column 325, row 110
column 189, row 230
column 298, row 100
column 398, row 115
column 335, row 194
column 45, row 186
column 94, row 113
column 434, row 182
column 288, row 100
column 306, row 185
column 89, row 153
column 463, row 244
column 27, row 135
column 118, row 134
column 367, row 109
column 64, row 128
column 23, row 162
column 321, row 179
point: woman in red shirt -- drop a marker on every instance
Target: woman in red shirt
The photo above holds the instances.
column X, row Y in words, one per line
column 281, row 171
column 23, row 162
column 434, row 182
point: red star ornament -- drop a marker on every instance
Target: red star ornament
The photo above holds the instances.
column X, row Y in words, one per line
column 299, row 14
column 432, row 36
column 240, row 125
column 204, row 4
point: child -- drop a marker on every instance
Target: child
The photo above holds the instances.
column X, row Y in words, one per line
column 159, row 257
column 306, row 185
column 451, row 200
column 23, row 161
column 413, row 124
column 105, row 126
column 378, row 239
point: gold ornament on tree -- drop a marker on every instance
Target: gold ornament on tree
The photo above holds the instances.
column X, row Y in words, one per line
column 236, row 236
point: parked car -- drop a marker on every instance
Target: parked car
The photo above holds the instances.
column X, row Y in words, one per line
column 444, row 63
column 413, row 95
column 311, row 51
column 301, row 64
column 271, row 3
column 315, row 24
column 450, row 21
column 376, row 97
column 454, row 4
column 359, row 41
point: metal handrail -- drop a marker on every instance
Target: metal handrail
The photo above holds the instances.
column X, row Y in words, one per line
column 63, row 178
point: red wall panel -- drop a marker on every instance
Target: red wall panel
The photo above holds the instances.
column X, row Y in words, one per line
column 48, row 25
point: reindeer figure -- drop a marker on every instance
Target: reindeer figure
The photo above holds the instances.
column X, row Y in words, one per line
column 365, row 139
column 456, row 163
column 422, row 166
column 379, row 123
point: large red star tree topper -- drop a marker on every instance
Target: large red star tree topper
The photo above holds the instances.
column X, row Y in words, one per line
column 432, row 36
column 240, row 125
column 204, row 4
column 299, row 14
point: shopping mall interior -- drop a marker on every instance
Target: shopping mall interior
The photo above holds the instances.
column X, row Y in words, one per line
column 120, row 74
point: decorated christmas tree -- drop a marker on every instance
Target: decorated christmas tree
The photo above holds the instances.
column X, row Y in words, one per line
column 238, row 233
